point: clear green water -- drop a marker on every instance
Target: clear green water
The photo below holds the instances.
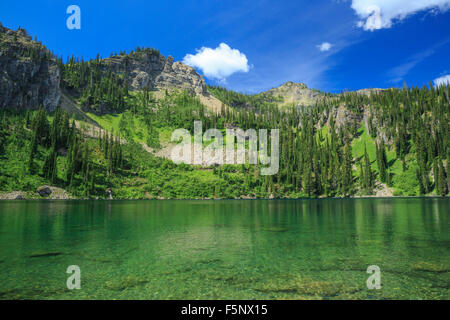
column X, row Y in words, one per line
column 305, row 249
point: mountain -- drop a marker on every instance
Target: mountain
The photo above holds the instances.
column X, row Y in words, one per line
column 102, row 129
column 294, row 94
column 32, row 76
column 29, row 75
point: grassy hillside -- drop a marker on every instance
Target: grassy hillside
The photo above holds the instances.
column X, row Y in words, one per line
column 366, row 143
column 404, row 183
column 325, row 149
column 144, row 176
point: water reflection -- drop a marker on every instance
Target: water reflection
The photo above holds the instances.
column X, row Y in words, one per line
column 247, row 242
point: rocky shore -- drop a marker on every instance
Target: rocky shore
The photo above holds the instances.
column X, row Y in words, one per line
column 43, row 192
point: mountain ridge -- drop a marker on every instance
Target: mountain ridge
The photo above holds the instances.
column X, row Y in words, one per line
column 31, row 77
column 28, row 62
column 112, row 138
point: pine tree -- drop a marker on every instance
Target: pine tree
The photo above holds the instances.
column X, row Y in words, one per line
column 41, row 128
column 388, row 178
column 50, row 166
column 442, row 186
column 421, row 184
column 32, row 153
column 382, row 160
column 347, row 175
column 368, row 174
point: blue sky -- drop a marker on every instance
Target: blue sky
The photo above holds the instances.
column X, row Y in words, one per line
column 331, row 45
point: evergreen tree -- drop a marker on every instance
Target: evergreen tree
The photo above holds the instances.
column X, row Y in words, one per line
column 32, row 153
column 347, row 175
column 368, row 174
column 382, row 160
column 442, row 185
column 50, row 166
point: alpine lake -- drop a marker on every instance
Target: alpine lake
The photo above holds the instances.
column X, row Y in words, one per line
column 226, row 249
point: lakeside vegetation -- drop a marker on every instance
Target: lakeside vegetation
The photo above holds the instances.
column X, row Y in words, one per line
column 322, row 154
column 105, row 137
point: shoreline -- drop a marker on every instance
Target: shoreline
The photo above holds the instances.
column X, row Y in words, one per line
column 26, row 196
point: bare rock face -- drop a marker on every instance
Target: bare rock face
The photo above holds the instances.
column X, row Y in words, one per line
column 29, row 75
column 148, row 69
column 344, row 117
column 368, row 92
column 185, row 75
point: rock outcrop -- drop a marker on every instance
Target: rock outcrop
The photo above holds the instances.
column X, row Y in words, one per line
column 344, row 117
column 368, row 92
column 53, row 193
column 148, row 69
column 15, row 195
column 44, row 191
column 29, row 75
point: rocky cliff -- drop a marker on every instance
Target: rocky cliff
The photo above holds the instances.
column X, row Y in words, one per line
column 29, row 75
column 147, row 68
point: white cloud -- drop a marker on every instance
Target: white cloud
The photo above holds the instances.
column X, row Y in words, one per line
column 379, row 14
column 218, row 63
column 444, row 80
column 326, row 46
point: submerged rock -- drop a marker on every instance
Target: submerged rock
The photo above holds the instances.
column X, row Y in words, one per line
column 430, row 267
column 45, row 254
column 36, row 292
column 300, row 286
column 276, row 229
column 210, row 261
column 125, row 283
